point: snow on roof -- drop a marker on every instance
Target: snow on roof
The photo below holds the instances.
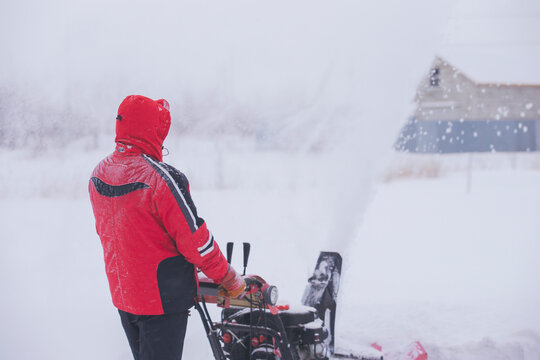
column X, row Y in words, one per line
column 495, row 41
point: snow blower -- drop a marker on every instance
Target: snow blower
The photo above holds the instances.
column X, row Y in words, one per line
column 255, row 327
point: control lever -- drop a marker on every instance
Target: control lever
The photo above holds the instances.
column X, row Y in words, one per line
column 230, row 246
column 247, row 248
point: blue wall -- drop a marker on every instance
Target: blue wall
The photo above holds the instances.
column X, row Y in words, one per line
column 469, row 136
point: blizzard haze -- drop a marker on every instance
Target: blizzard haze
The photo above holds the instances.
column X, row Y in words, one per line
column 283, row 118
column 222, row 65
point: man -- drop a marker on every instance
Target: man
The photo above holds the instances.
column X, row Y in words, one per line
column 153, row 240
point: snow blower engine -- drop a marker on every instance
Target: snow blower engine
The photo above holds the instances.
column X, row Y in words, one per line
column 256, row 327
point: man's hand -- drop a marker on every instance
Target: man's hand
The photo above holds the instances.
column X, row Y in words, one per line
column 232, row 285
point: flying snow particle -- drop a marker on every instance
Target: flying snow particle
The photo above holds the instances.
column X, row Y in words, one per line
column 475, row 134
column 503, row 110
column 525, row 129
column 528, row 106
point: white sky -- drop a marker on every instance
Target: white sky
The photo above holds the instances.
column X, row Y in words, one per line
column 495, row 41
column 268, row 59
column 267, row 54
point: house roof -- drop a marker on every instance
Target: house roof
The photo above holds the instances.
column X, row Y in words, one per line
column 495, row 41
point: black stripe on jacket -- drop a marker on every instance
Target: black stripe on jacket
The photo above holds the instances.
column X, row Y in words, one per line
column 116, row 190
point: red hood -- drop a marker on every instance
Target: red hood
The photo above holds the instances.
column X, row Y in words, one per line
column 144, row 124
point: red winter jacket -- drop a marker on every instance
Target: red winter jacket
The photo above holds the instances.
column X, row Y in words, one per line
column 152, row 237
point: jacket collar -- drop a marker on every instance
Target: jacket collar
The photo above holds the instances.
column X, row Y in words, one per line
column 132, row 150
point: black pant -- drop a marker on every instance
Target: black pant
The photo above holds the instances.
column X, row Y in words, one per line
column 155, row 337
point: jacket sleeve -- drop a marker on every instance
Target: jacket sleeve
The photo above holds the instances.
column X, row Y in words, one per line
column 179, row 216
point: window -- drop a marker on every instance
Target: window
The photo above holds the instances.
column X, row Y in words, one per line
column 434, row 77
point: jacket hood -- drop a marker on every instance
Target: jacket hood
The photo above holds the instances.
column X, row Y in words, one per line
column 143, row 123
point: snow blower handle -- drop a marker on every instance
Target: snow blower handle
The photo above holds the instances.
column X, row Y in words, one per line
column 247, row 248
column 257, row 291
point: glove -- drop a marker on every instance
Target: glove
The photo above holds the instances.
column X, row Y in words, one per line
column 232, row 285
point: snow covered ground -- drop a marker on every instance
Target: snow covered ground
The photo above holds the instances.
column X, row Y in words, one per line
column 456, row 270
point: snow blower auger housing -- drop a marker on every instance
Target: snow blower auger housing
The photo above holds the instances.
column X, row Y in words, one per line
column 254, row 327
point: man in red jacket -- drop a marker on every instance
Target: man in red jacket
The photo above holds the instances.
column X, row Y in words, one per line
column 153, row 239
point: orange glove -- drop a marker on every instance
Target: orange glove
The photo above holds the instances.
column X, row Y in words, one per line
column 232, row 285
